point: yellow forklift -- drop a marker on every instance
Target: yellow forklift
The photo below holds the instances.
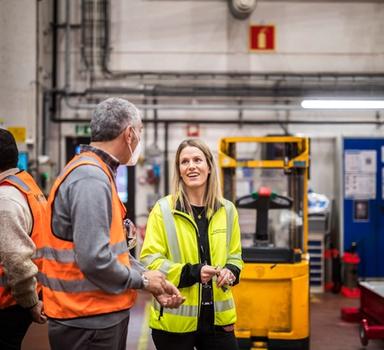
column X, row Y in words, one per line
column 267, row 179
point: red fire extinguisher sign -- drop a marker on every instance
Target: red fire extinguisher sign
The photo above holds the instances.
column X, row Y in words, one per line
column 262, row 38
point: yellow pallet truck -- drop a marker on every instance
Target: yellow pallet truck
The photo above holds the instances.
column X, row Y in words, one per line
column 272, row 298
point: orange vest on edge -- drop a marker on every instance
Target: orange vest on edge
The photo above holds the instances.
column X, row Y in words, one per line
column 67, row 293
column 37, row 205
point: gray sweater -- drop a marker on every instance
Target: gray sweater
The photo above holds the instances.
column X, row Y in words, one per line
column 82, row 213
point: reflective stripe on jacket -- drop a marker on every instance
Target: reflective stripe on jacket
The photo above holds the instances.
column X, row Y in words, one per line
column 37, row 205
column 67, row 293
column 171, row 242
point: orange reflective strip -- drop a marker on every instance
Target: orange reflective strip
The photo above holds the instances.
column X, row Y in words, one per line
column 70, row 271
column 124, row 259
column 38, row 263
column 62, row 271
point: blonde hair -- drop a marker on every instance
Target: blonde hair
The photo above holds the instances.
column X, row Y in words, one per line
column 212, row 196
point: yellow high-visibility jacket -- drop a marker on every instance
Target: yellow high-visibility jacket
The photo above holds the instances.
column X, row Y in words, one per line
column 171, row 242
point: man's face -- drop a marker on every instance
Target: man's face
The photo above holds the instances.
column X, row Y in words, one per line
column 134, row 137
column 136, row 132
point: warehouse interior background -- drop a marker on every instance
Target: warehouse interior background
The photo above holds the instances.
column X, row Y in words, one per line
column 187, row 64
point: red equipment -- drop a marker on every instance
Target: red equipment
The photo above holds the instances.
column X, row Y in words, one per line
column 350, row 285
column 332, row 279
column 371, row 311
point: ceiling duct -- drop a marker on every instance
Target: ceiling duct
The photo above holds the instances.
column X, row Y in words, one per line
column 241, row 9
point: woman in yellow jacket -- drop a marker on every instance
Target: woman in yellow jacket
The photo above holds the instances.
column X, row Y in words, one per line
column 193, row 237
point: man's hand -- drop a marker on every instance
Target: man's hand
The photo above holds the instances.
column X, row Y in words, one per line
column 156, row 281
column 37, row 313
column 171, row 298
column 130, row 233
column 207, row 272
column 225, row 277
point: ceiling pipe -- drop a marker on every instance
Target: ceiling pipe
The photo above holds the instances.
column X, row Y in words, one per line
column 364, row 90
column 67, row 45
column 48, row 96
column 180, row 107
column 259, row 76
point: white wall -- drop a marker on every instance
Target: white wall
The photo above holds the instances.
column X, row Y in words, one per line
column 18, row 65
column 202, row 35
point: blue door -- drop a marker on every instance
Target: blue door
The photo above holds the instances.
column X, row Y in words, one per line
column 363, row 167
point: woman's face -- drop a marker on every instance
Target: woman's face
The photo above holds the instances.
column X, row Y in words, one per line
column 193, row 166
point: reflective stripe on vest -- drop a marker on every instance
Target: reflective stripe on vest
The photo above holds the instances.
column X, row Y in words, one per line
column 229, row 211
column 164, row 267
column 18, row 181
column 72, row 286
column 170, row 229
column 192, row 310
column 182, row 310
column 221, row 306
column 68, row 255
column 148, row 260
column 234, row 257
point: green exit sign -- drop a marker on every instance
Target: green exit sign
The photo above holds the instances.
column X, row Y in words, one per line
column 82, row 130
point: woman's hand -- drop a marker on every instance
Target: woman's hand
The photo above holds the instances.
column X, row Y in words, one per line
column 225, row 278
column 207, row 272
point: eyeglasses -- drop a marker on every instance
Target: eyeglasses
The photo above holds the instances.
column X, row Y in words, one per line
column 130, row 233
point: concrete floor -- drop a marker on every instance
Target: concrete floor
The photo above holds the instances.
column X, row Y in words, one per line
column 328, row 331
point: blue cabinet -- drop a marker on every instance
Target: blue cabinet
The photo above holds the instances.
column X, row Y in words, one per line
column 363, row 203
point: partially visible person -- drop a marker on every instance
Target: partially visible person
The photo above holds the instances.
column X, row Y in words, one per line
column 193, row 236
column 22, row 221
column 89, row 278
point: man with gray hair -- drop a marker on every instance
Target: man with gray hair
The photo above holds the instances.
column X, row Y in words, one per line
column 89, row 278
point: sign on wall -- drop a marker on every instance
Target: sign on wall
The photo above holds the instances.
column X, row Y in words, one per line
column 83, row 130
column 262, row 38
column 360, row 174
column 19, row 133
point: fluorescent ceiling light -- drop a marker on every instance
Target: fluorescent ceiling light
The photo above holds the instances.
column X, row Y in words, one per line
column 342, row 104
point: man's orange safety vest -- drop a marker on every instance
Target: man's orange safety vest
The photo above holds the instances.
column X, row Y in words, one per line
column 67, row 293
column 37, row 204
